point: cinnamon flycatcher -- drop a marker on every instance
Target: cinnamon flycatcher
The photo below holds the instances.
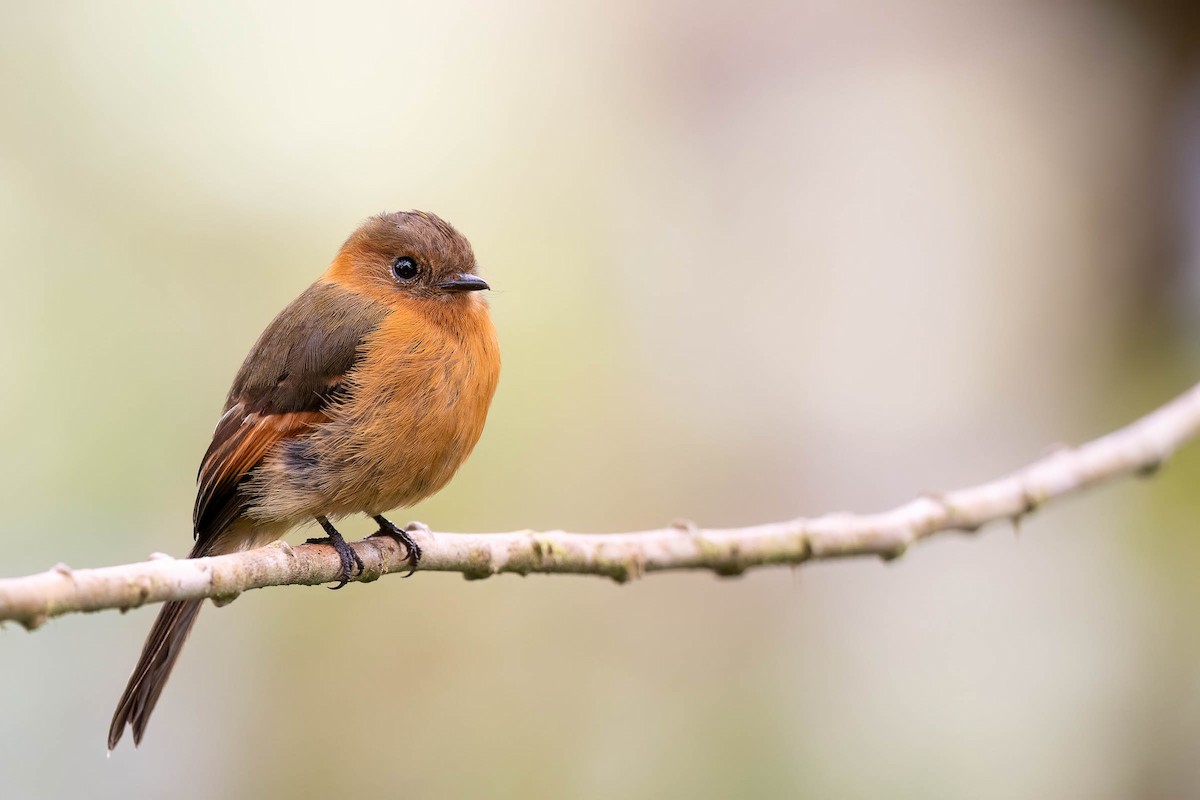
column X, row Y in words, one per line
column 366, row 393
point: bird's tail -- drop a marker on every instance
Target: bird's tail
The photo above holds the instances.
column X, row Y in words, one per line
column 158, row 658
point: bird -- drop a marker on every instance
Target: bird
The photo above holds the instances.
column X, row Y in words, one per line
column 365, row 394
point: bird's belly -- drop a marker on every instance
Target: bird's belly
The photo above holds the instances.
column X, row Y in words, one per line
column 398, row 462
column 371, row 457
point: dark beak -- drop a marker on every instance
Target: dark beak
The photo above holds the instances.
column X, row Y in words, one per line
column 464, row 283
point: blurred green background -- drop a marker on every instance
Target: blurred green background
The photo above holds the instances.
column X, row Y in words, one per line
column 752, row 260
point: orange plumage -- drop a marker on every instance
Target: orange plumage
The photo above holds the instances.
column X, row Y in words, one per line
column 366, row 393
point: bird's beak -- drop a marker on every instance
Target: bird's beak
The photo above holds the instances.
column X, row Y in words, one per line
column 464, row 283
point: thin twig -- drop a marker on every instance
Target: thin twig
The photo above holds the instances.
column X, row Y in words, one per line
column 1138, row 448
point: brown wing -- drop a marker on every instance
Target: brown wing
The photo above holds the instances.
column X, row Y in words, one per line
column 294, row 373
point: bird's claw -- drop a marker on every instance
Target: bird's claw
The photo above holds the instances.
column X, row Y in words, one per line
column 345, row 552
column 412, row 550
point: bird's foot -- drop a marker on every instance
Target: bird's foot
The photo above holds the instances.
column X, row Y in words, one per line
column 345, row 552
column 411, row 548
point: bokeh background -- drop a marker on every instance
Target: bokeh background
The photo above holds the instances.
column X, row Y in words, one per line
column 752, row 260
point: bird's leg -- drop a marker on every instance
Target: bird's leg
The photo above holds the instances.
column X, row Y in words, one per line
column 345, row 552
column 411, row 548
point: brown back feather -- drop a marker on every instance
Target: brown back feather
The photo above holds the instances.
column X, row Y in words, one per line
column 293, row 374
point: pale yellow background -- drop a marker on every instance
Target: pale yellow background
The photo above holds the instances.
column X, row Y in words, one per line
column 752, row 260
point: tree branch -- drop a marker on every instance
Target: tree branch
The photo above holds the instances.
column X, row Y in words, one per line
column 1138, row 448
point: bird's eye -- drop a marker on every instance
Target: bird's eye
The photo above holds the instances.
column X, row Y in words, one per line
column 405, row 269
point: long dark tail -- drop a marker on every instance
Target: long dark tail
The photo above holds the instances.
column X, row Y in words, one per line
column 158, row 658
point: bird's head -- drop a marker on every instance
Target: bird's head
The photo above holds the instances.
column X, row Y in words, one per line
column 407, row 254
